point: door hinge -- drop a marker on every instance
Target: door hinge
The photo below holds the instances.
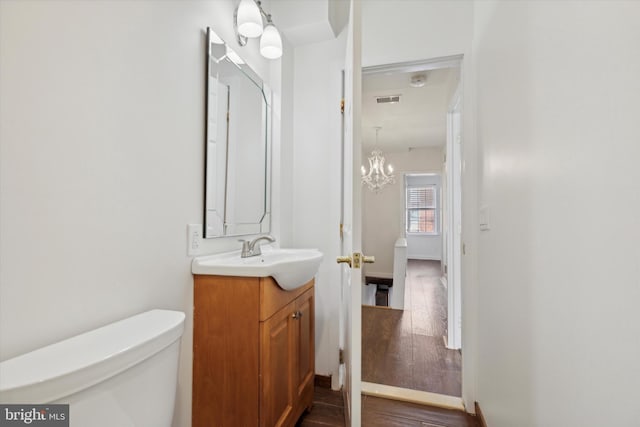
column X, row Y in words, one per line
column 342, row 106
column 341, row 356
column 341, row 232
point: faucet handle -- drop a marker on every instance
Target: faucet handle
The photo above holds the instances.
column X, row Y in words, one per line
column 245, row 245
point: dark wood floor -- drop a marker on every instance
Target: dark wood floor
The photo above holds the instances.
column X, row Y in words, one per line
column 328, row 410
column 406, row 348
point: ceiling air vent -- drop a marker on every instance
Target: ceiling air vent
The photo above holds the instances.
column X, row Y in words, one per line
column 391, row 99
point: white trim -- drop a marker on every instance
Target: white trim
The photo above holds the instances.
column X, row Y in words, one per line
column 454, row 214
column 425, row 258
column 455, row 104
column 413, row 396
column 407, row 67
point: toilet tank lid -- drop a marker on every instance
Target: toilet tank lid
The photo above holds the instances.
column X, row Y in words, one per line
column 86, row 359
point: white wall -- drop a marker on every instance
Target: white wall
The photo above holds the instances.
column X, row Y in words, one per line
column 557, row 101
column 282, row 149
column 425, row 247
column 316, row 181
column 383, row 212
column 413, row 30
column 101, row 155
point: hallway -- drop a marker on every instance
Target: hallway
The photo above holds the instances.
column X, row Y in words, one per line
column 406, row 348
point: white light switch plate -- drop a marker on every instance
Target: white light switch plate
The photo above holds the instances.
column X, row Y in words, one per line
column 484, row 218
column 194, row 239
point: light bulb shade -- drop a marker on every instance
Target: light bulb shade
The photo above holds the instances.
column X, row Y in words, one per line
column 249, row 19
column 271, row 43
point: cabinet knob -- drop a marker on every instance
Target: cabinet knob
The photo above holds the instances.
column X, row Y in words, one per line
column 296, row 314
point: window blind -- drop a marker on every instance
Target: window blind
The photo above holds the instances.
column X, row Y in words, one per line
column 421, row 209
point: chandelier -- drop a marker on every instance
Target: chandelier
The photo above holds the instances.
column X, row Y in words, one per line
column 376, row 177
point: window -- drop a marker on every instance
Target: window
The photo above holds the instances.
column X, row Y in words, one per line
column 421, row 209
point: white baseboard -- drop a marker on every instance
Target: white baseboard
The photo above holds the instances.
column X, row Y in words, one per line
column 414, row 396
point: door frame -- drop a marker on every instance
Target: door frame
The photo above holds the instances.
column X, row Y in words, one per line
column 454, row 220
column 455, row 251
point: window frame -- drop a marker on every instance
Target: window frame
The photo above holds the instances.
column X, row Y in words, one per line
column 435, row 209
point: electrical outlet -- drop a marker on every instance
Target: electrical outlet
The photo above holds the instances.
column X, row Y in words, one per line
column 194, row 239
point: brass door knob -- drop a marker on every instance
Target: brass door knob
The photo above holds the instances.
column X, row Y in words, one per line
column 356, row 259
column 344, row 259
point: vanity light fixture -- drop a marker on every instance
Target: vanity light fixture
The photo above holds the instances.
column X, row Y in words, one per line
column 270, row 42
column 249, row 19
column 248, row 23
column 376, row 177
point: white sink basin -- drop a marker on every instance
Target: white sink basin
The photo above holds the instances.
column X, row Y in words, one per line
column 291, row 268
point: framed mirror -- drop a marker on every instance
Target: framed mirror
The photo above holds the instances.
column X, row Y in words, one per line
column 237, row 145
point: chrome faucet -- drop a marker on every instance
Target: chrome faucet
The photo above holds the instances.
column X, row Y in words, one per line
column 250, row 249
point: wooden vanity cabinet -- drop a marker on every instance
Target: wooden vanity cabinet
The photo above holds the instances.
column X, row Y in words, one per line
column 253, row 352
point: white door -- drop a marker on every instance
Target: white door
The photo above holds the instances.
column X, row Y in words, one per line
column 352, row 229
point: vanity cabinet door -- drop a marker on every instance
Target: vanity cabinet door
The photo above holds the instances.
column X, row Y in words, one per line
column 277, row 389
column 226, row 356
column 305, row 348
column 253, row 352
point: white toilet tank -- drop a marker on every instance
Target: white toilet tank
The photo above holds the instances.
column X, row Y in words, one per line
column 123, row 374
